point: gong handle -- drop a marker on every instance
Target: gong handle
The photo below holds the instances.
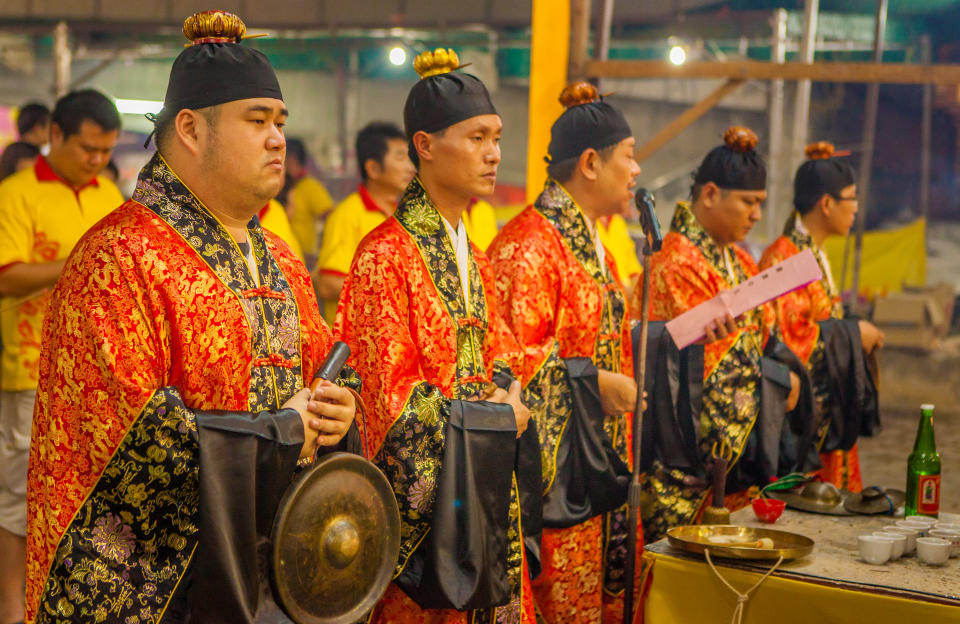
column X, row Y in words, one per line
column 333, row 363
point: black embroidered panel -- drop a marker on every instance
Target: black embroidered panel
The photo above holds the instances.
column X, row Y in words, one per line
column 270, row 308
column 420, row 218
column 123, row 555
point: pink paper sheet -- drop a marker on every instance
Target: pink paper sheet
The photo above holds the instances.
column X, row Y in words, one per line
column 793, row 273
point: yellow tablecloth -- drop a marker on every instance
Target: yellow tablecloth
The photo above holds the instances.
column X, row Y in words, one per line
column 685, row 591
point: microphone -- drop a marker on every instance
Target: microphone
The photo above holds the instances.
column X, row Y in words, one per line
column 646, row 205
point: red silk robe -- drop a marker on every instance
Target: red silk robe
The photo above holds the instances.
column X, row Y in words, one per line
column 689, row 269
column 155, row 321
column 421, row 346
column 561, row 303
column 798, row 316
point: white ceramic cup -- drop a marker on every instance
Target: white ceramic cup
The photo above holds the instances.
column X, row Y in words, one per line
column 899, row 543
column 911, row 534
column 920, row 528
column 947, row 526
column 876, row 550
column 951, row 536
column 933, row 550
column 922, row 520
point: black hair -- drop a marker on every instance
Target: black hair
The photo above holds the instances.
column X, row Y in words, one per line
column 372, row 143
column 562, row 171
column 296, row 148
column 75, row 107
column 13, row 154
column 30, row 116
column 818, row 177
column 735, row 165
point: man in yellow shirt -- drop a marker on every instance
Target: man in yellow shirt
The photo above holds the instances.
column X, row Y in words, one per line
column 385, row 170
column 305, row 198
column 480, row 220
column 44, row 211
column 616, row 238
column 273, row 217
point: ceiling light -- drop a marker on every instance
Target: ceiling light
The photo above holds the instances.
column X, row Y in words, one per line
column 678, row 55
column 398, row 56
column 138, row 107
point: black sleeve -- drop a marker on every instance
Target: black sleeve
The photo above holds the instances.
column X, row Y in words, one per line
column 244, row 457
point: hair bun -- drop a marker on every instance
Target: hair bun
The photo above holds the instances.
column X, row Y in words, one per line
column 440, row 61
column 214, row 27
column 578, row 93
column 821, row 150
column 740, row 139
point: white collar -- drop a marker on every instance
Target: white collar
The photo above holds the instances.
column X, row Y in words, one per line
column 824, row 261
column 461, row 246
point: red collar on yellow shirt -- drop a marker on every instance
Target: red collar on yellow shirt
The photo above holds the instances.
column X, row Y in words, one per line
column 45, row 173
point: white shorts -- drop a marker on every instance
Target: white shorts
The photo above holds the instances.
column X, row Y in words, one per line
column 16, row 421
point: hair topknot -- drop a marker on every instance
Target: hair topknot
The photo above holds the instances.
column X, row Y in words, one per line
column 821, row 150
column 213, row 27
column 740, row 139
column 578, row 93
column 440, row 61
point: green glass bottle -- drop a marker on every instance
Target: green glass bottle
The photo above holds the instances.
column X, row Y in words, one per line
column 923, row 470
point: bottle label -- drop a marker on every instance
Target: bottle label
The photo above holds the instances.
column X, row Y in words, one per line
column 928, row 494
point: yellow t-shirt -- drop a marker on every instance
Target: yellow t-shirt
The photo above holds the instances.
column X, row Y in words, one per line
column 274, row 218
column 350, row 221
column 309, row 200
column 616, row 238
column 41, row 219
column 480, row 219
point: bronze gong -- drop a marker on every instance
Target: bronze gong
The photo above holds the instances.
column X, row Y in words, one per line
column 336, row 539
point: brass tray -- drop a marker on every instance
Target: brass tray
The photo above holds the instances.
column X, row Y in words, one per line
column 696, row 538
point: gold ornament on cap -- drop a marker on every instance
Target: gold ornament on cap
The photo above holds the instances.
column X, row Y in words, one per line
column 821, row 150
column 214, row 27
column 578, row 93
column 740, row 139
column 440, row 61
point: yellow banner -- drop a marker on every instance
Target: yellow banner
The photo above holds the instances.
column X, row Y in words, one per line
column 890, row 259
column 549, row 51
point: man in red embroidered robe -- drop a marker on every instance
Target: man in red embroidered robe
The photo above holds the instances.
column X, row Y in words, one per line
column 699, row 258
column 811, row 320
column 171, row 410
column 565, row 303
column 420, row 313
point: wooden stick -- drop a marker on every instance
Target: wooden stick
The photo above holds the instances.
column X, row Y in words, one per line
column 687, row 118
column 891, row 73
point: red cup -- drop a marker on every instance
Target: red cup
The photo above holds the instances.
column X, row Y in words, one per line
column 768, row 509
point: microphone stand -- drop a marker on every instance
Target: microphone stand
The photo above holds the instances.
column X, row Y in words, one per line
column 633, row 496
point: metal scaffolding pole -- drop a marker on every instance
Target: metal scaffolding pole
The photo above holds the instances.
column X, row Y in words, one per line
column 61, row 59
column 801, row 114
column 579, row 39
column 604, row 26
column 869, row 136
column 925, row 138
column 776, row 197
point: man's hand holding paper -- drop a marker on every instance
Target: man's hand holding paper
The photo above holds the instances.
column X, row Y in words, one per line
column 791, row 274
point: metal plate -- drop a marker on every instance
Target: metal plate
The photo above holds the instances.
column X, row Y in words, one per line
column 800, row 503
column 336, row 539
column 697, row 538
column 886, row 503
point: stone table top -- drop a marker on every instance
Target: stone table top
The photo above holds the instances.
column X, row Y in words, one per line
column 835, row 560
